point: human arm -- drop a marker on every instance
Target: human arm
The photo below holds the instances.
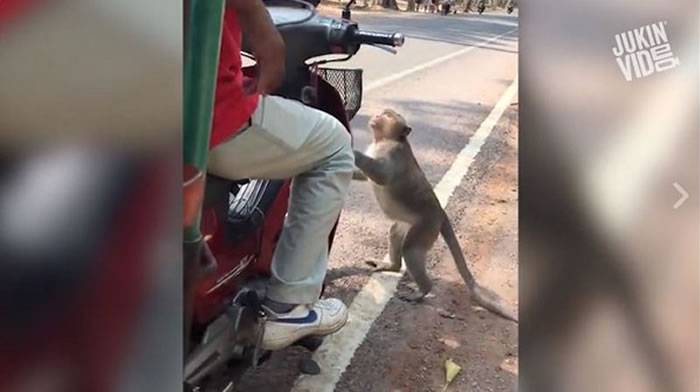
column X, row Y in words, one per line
column 266, row 42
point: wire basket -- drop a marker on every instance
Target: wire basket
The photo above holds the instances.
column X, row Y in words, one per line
column 348, row 82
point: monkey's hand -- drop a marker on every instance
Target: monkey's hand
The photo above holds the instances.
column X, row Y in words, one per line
column 376, row 170
column 359, row 175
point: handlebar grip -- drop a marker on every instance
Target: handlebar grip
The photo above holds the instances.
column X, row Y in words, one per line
column 377, row 38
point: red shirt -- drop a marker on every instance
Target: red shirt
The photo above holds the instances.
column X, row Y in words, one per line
column 232, row 107
column 9, row 9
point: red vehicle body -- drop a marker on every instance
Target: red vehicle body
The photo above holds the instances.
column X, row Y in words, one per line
column 74, row 294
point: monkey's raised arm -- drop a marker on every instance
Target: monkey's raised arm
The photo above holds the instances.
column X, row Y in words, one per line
column 359, row 175
column 378, row 171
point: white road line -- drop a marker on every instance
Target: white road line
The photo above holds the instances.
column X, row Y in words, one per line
column 384, row 81
column 337, row 351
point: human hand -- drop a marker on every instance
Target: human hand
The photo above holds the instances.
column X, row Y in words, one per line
column 270, row 56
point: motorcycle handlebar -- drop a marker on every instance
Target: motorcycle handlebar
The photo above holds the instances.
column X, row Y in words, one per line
column 377, row 38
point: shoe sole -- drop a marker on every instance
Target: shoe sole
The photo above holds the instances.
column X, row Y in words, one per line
column 301, row 333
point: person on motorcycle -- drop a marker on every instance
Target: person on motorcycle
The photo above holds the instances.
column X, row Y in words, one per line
column 258, row 135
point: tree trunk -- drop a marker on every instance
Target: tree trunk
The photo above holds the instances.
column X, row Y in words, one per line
column 390, row 4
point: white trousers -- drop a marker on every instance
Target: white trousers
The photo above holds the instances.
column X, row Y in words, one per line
column 290, row 140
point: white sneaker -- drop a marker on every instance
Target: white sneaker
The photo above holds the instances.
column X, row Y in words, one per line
column 324, row 317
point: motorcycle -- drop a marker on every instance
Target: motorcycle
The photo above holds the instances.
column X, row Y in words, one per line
column 232, row 227
column 482, row 7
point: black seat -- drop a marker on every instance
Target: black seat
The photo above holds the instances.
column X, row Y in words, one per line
column 244, row 203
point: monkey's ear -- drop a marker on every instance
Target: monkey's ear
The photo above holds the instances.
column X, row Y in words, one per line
column 407, row 130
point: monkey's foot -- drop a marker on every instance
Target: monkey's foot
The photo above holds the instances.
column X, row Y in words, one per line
column 414, row 297
column 378, row 266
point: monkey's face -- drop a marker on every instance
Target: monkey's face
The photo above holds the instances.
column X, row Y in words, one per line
column 389, row 125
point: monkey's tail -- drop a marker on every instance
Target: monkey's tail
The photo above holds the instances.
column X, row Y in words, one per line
column 481, row 295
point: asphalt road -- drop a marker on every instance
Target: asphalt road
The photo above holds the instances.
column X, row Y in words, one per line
column 453, row 72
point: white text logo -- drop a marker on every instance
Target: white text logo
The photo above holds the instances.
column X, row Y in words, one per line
column 643, row 51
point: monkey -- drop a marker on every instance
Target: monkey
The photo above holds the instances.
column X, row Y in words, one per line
column 407, row 199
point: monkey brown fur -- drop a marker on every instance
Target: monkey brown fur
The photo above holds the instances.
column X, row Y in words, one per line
column 407, row 198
